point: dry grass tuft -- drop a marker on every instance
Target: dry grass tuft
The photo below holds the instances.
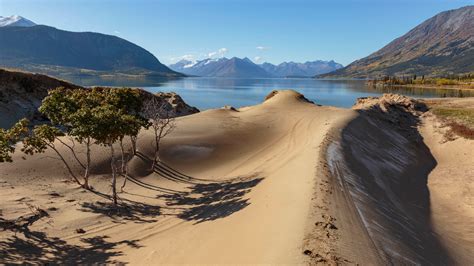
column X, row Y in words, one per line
column 460, row 120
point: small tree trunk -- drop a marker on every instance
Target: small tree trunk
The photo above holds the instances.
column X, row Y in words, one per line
column 114, row 175
column 124, row 165
column 157, row 148
column 88, row 164
column 71, row 148
column 124, row 183
column 133, row 140
column 122, row 151
column 66, row 164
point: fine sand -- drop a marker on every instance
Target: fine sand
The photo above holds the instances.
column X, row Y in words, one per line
column 286, row 182
column 451, row 185
column 240, row 192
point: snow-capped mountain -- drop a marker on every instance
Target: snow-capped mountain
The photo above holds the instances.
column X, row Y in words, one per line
column 221, row 67
column 237, row 67
column 15, row 21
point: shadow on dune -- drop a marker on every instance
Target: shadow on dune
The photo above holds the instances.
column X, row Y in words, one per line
column 37, row 248
column 166, row 171
column 127, row 210
column 382, row 166
column 207, row 202
column 200, row 200
column 204, row 200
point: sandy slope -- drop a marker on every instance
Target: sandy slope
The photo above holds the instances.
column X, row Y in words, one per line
column 451, row 185
column 285, row 181
column 400, row 194
column 240, row 192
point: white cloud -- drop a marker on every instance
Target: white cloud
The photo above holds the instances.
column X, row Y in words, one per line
column 219, row 53
column 194, row 56
column 257, row 59
column 116, row 32
column 262, row 48
column 188, row 57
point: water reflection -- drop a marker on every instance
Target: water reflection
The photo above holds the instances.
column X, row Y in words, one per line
column 423, row 92
column 206, row 93
column 117, row 81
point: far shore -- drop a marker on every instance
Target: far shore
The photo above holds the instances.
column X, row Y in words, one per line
column 464, row 86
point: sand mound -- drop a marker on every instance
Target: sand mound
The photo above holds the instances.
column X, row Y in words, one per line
column 286, row 95
column 233, row 187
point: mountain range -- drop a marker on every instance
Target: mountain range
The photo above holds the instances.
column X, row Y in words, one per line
column 221, row 67
column 245, row 68
column 48, row 50
column 441, row 45
column 307, row 69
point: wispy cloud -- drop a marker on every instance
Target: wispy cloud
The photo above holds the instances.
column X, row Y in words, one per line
column 116, row 32
column 219, row 53
column 194, row 56
column 257, row 59
column 263, row 48
column 188, row 57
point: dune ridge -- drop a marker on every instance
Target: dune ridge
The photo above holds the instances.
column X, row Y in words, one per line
column 380, row 166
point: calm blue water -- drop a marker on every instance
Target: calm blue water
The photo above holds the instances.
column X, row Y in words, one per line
column 206, row 93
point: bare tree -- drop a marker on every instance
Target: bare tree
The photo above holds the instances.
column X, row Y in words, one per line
column 162, row 122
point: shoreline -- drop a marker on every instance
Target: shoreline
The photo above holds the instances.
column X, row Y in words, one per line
column 431, row 87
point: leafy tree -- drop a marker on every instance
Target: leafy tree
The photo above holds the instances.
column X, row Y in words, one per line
column 43, row 137
column 116, row 117
column 71, row 110
column 9, row 138
column 101, row 116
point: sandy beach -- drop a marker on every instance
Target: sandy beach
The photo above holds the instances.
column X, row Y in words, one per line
column 283, row 182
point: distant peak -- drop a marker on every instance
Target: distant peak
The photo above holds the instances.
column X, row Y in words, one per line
column 15, row 21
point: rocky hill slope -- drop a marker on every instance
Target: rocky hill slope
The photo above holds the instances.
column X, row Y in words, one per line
column 441, row 45
column 48, row 50
column 21, row 95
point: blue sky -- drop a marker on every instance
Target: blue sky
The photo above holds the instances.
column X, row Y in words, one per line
column 272, row 31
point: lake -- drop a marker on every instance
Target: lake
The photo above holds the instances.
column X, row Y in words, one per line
column 207, row 93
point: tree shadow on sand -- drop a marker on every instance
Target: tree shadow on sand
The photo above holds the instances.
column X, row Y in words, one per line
column 207, row 202
column 33, row 247
column 203, row 200
column 200, row 202
column 127, row 210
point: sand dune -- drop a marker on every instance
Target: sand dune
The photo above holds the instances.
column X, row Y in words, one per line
column 285, row 181
column 240, row 191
